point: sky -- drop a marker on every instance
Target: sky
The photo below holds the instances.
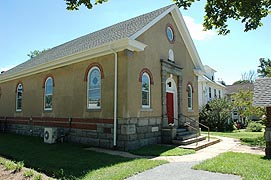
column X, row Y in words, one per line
column 36, row 25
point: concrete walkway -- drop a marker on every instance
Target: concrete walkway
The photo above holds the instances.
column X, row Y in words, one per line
column 180, row 167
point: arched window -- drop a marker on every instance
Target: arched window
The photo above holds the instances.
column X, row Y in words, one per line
column 94, row 88
column 189, row 97
column 171, row 55
column 19, row 97
column 145, row 89
column 48, row 94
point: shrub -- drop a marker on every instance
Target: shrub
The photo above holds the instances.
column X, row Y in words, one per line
column 217, row 115
column 38, row 177
column 254, row 127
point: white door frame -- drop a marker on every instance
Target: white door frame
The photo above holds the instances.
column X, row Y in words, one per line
column 173, row 89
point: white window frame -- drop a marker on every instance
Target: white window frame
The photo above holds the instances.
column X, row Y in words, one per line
column 48, row 94
column 93, row 106
column 171, row 55
column 19, row 98
column 189, row 98
column 149, row 91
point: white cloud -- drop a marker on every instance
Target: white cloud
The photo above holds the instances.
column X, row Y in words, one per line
column 196, row 30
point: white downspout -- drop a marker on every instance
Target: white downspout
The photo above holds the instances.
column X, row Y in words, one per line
column 115, row 96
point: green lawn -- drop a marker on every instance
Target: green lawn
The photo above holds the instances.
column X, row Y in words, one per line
column 248, row 138
column 69, row 161
column 161, row 150
column 249, row 166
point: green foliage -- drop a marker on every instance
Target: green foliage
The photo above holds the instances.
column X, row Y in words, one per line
column 217, row 115
column 248, row 166
column 241, row 82
column 161, row 150
column 28, row 173
column 9, row 165
column 217, row 13
column 254, row 127
column 264, row 67
column 73, row 159
column 250, row 141
column 34, row 53
column 242, row 102
column 38, row 177
column 74, row 4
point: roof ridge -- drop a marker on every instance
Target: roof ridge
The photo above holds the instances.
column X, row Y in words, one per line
column 123, row 29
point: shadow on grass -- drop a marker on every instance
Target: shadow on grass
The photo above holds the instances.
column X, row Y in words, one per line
column 65, row 161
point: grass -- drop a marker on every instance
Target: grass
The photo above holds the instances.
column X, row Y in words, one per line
column 247, row 138
column 161, row 150
column 249, row 166
column 69, row 161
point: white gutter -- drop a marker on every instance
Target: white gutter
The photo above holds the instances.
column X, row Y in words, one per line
column 115, row 97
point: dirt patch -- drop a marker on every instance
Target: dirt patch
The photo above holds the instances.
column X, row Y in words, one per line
column 11, row 175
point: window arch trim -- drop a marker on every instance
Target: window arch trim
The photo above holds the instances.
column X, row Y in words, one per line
column 50, row 106
column 147, row 71
column 189, row 84
column 95, row 64
column 148, row 100
column 19, row 109
column 45, row 79
column 92, row 106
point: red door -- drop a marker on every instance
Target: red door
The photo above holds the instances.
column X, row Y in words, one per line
column 170, row 108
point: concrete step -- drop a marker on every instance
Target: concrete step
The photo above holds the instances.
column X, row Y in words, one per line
column 179, row 130
column 188, row 141
column 186, row 137
column 183, row 133
column 201, row 144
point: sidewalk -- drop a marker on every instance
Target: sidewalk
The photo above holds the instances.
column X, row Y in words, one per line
column 180, row 166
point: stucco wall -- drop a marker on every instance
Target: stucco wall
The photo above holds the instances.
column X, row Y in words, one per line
column 158, row 48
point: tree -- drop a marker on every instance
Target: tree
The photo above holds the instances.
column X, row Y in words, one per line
column 264, row 67
column 242, row 102
column 217, row 12
column 247, row 77
column 35, row 53
column 217, row 115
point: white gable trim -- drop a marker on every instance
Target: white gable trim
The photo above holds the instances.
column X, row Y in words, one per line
column 148, row 26
column 176, row 14
column 105, row 49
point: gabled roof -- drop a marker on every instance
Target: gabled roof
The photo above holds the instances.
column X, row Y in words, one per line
column 262, row 92
column 117, row 37
column 232, row 89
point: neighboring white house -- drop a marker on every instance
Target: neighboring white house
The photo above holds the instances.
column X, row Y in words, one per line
column 208, row 88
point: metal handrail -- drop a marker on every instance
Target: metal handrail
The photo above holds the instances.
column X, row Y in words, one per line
column 198, row 124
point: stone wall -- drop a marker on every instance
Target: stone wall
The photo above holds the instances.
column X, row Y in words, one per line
column 132, row 133
column 137, row 132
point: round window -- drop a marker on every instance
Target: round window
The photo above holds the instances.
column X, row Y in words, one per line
column 170, row 33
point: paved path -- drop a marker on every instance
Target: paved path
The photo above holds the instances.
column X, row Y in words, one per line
column 179, row 167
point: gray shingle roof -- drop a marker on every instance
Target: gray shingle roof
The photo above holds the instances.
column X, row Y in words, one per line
column 262, row 92
column 112, row 33
column 232, row 89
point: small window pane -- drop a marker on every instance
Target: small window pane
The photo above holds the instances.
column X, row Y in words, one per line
column 94, row 89
column 48, row 94
column 19, row 97
column 145, row 90
column 189, row 97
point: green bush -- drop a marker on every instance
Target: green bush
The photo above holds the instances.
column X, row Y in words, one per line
column 29, row 173
column 217, row 115
column 254, row 127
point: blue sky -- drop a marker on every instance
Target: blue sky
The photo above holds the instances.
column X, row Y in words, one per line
column 36, row 25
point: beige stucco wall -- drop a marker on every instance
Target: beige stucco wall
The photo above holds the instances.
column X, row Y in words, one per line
column 157, row 48
column 69, row 98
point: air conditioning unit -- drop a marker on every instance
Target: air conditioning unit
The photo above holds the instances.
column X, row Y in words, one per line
column 50, row 135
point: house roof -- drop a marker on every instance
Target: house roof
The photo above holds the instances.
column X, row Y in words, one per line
column 117, row 37
column 232, row 89
column 262, row 92
column 204, row 78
